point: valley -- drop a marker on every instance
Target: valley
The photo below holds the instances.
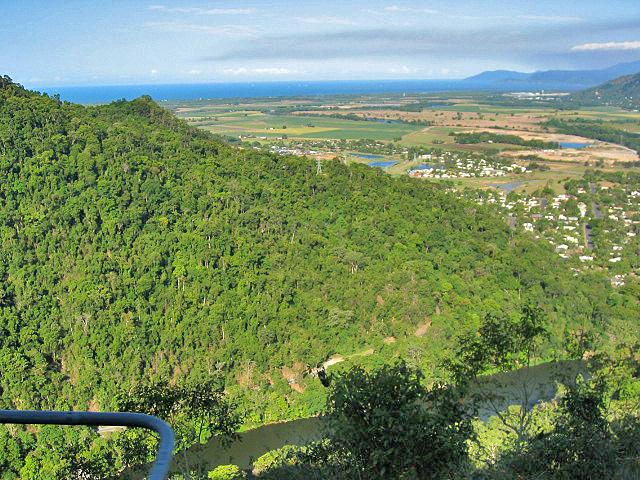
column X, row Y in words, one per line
column 252, row 259
column 320, row 240
column 502, row 147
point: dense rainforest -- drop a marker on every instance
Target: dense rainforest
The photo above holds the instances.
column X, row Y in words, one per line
column 137, row 249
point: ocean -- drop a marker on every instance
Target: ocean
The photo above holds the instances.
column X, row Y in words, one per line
column 159, row 92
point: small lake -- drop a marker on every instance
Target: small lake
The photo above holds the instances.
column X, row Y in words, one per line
column 511, row 186
column 575, row 145
column 368, row 156
column 386, row 164
column 507, row 187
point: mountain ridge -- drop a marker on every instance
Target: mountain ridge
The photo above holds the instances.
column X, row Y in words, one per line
column 572, row 79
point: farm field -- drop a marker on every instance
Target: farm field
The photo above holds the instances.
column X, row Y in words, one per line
column 296, row 126
column 404, row 128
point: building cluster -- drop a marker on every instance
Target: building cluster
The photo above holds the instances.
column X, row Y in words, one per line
column 337, row 146
column 592, row 226
column 456, row 165
column 287, row 150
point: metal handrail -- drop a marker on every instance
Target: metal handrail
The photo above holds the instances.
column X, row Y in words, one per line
column 160, row 468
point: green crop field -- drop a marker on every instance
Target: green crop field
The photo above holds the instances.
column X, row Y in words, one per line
column 259, row 124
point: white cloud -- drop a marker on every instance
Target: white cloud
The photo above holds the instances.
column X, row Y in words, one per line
column 404, row 70
column 396, row 8
column 548, row 18
column 272, row 71
column 222, row 30
column 194, row 72
column 153, row 71
column 326, row 20
column 590, row 47
column 203, row 11
column 235, row 71
column 527, row 18
column 268, row 71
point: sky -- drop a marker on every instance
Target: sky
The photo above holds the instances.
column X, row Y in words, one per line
column 119, row 42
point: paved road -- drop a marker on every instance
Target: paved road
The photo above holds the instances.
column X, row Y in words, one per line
column 588, row 237
column 597, row 211
column 543, row 203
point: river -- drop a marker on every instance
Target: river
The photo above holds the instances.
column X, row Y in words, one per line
column 528, row 385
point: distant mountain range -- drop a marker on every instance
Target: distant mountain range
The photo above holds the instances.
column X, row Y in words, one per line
column 556, row 79
column 621, row 92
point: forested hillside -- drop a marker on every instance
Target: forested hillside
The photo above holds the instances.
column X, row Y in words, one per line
column 136, row 248
column 622, row 92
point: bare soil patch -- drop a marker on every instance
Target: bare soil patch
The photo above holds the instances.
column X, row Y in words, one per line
column 423, row 328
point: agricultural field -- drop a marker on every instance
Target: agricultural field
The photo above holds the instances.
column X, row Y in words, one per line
column 398, row 130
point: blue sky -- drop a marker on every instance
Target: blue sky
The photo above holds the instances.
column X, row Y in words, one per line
column 78, row 42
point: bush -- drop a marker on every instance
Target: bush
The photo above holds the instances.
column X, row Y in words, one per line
column 227, row 472
column 386, row 424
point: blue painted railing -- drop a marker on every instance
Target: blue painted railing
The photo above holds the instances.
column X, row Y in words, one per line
column 160, row 468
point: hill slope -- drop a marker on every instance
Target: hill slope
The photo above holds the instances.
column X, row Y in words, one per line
column 136, row 247
column 622, row 92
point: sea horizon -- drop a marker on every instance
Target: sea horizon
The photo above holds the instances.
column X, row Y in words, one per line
column 95, row 94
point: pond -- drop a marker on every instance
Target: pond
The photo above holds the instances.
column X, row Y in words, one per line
column 525, row 386
column 576, row 145
column 386, row 164
column 368, row 156
column 507, row 187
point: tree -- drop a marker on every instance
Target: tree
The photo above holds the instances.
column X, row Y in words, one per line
column 501, row 345
column 196, row 410
column 107, row 209
column 386, row 424
column 592, row 430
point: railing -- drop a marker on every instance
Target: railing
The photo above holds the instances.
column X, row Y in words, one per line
column 161, row 466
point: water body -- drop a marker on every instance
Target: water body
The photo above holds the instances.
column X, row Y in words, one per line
column 258, row 441
column 525, row 386
column 386, row 164
column 507, row 187
column 160, row 92
column 575, row 145
column 368, row 156
column 511, row 186
column 108, row 93
column 529, row 386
